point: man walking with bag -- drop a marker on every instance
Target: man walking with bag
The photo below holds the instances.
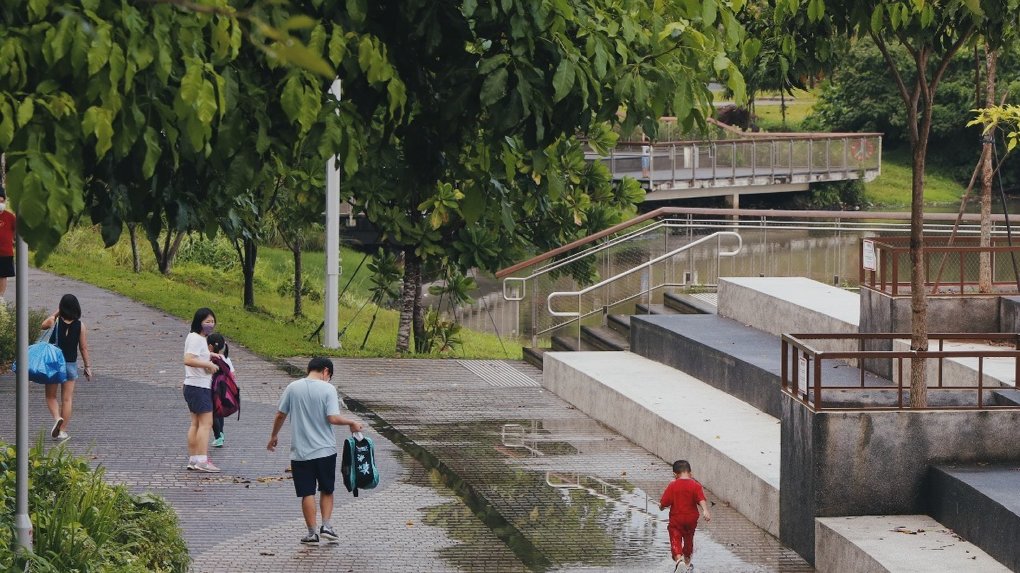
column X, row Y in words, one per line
column 314, row 408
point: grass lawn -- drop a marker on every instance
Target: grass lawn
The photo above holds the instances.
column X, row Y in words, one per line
column 768, row 110
column 271, row 330
column 892, row 187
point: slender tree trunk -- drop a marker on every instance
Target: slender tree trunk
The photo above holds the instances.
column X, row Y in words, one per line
column 136, row 259
column 412, row 278
column 918, row 296
column 298, row 286
column 421, row 339
column 166, row 252
column 248, row 268
column 985, row 275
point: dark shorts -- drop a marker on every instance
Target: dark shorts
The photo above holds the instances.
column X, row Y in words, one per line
column 6, row 267
column 307, row 472
column 199, row 399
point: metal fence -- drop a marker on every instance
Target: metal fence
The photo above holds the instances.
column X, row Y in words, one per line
column 824, row 380
column 952, row 267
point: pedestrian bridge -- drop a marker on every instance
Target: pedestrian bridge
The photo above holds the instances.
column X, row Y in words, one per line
column 755, row 163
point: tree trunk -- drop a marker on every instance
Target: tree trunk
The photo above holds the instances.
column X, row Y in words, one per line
column 918, row 300
column 421, row 341
column 136, row 259
column 298, row 286
column 248, row 267
column 412, row 279
column 166, row 252
column 985, row 274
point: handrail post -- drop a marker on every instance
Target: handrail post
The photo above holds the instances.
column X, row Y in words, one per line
column 651, row 166
column 811, row 158
column 733, row 163
column 817, row 376
column 672, row 162
column 783, row 368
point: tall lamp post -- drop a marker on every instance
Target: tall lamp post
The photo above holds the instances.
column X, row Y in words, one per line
column 330, row 337
column 22, row 521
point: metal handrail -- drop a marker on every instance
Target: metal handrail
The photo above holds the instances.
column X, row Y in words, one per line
column 574, row 258
column 642, row 266
column 844, row 216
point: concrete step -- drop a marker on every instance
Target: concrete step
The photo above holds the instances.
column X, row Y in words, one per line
column 733, row 447
column 570, row 344
column 981, row 504
column 642, row 308
column 604, row 338
column 744, row 362
column 620, row 323
column 688, row 304
column 533, row 356
column 896, row 544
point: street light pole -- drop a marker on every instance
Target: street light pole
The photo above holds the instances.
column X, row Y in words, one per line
column 22, row 521
column 330, row 338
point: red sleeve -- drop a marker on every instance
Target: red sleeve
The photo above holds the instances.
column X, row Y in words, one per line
column 699, row 493
column 667, row 496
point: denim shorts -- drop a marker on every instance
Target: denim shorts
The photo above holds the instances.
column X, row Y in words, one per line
column 199, row 399
column 72, row 371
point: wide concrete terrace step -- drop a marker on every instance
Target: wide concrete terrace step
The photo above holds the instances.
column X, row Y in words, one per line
column 742, row 361
column 982, row 504
column 895, row 544
column 733, row 446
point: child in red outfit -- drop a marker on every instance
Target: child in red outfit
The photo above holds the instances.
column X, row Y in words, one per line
column 683, row 497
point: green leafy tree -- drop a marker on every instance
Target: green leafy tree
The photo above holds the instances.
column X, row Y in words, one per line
column 932, row 33
column 482, row 166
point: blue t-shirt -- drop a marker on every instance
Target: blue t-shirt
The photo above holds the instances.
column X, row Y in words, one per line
column 308, row 402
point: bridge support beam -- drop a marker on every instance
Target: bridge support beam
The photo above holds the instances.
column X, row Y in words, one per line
column 733, row 202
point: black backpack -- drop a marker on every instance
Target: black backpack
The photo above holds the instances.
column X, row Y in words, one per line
column 358, row 464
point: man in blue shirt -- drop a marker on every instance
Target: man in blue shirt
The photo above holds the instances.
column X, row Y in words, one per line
column 314, row 409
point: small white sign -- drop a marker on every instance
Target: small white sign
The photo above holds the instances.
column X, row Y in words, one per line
column 802, row 373
column 868, row 255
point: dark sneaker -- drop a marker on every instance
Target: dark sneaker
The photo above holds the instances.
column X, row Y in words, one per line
column 328, row 534
column 55, row 430
column 310, row 538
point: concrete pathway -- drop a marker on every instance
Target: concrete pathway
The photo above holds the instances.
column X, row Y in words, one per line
column 483, row 449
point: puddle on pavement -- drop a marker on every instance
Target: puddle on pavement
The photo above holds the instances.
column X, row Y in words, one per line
column 519, row 478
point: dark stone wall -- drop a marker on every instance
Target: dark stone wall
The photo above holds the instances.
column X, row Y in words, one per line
column 797, row 479
column 876, row 462
column 1009, row 314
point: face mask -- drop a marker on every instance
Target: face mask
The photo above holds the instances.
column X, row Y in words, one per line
column 3, row 206
column 207, row 329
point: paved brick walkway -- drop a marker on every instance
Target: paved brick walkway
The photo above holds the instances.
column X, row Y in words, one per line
column 563, row 492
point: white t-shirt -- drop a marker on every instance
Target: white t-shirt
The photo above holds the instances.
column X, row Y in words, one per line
column 195, row 344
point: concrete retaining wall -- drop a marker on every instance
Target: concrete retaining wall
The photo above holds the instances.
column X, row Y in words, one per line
column 871, row 545
column 792, row 304
column 733, row 448
column 874, row 463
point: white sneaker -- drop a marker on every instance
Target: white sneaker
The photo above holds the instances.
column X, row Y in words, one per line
column 207, row 467
column 62, row 436
column 55, row 430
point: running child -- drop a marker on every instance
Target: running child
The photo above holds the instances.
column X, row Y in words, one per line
column 683, row 497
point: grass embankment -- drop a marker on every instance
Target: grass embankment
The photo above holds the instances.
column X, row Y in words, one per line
column 892, row 188
column 271, row 330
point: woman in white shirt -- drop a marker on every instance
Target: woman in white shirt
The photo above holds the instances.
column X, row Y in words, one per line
column 198, row 371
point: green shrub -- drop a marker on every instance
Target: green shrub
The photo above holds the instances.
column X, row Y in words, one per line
column 81, row 523
column 217, row 253
column 8, row 332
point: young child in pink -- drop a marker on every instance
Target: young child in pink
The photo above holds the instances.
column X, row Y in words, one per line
column 683, row 497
